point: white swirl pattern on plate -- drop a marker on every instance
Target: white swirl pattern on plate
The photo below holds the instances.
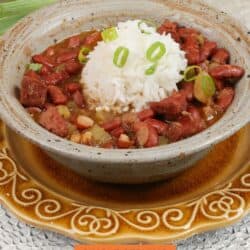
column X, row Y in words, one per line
column 226, row 203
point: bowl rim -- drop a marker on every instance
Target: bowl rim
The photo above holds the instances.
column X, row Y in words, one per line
column 64, row 147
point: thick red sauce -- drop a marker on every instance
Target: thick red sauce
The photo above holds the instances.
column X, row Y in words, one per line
column 55, row 98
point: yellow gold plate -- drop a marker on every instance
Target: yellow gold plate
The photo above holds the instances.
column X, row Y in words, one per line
column 213, row 193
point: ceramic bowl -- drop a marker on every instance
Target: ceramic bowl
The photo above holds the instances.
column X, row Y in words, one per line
column 39, row 30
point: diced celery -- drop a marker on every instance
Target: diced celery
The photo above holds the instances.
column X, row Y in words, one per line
column 100, row 136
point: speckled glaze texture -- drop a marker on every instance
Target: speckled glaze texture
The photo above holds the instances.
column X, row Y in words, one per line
column 42, row 192
column 43, row 28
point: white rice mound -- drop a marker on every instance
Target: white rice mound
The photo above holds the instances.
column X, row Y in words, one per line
column 110, row 88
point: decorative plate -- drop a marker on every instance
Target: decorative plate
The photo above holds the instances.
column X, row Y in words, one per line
column 213, row 193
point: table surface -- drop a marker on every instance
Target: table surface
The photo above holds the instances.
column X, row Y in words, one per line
column 17, row 235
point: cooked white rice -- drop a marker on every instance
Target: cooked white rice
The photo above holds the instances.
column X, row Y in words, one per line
column 108, row 87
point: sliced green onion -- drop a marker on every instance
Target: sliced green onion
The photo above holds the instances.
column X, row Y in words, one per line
column 82, row 54
column 204, row 87
column 151, row 70
column 190, row 73
column 149, row 23
column 109, row 34
column 156, row 51
column 208, row 85
column 120, row 56
column 34, row 66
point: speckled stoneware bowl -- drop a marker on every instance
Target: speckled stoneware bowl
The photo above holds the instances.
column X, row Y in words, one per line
column 43, row 28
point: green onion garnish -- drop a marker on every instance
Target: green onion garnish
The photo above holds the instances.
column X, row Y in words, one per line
column 156, row 51
column 207, row 84
column 34, row 66
column 120, row 56
column 109, row 34
column 141, row 23
column 151, row 69
column 82, row 54
column 190, row 73
column 204, row 87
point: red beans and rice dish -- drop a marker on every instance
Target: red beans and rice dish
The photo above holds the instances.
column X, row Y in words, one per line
column 53, row 95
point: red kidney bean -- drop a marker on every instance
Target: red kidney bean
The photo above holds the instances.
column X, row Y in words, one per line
column 45, row 70
column 33, row 75
column 219, row 84
column 160, row 126
column 73, row 67
column 56, row 77
column 227, row 71
column 187, row 125
column 188, row 89
column 117, row 132
column 73, row 117
column 145, row 114
column 72, row 87
column 192, row 123
column 204, row 65
column 174, row 132
column 93, row 39
column 111, row 125
column 196, row 116
column 66, row 56
column 169, row 28
column 225, row 98
column 184, row 33
column 56, row 94
column 44, row 60
column 207, row 50
column 74, row 41
column 192, row 49
column 153, row 138
column 221, row 56
column 171, row 106
column 78, row 99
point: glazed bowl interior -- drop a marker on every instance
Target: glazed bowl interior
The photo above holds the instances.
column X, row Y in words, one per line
column 36, row 32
